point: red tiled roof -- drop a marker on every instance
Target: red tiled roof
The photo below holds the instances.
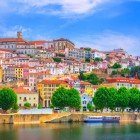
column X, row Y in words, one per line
column 39, row 42
column 21, row 90
column 123, row 80
column 53, row 82
column 11, row 40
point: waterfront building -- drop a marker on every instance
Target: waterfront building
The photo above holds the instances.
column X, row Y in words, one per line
column 124, row 82
column 85, row 99
column 24, row 95
column 46, row 89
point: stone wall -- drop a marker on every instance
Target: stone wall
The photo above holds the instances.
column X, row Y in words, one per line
column 62, row 117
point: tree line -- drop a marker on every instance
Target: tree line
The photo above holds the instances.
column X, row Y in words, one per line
column 111, row 98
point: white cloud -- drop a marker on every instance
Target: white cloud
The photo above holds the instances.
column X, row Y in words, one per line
column 64, row 7
column 12, row 31
column 109, row 41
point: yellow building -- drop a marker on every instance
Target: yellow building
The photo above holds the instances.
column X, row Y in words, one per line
column 19, row 72
column 46, row 89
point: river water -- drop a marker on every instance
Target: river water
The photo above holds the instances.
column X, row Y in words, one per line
column 75, row 131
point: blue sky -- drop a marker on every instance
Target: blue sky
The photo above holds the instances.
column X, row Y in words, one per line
column 100, row 24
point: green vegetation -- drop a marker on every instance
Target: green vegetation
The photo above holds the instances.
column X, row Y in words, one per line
column 135, row 71
column 27, row 105
column 112, row 98
column 125, row 72
column 63, row 97
column 90, row 107
column 115, row 72
column 87, row 49
column 61, row 55
column 87, row 60
column 116, row 66
column 31, row 56
column 98, row 59
column 74, row 99
column 40, row 106
column 15, row 108
column 8, row 99
column 57, row 59
column 91, row 78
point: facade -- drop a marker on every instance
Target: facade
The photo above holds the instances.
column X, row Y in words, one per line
column 85, row 99
column 25, row 95
column 62, row 44
column 27, row 48
column 124, row 82
column 76, row 53
column 46, row 89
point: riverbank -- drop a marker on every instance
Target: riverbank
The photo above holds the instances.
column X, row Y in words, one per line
column 62, row 117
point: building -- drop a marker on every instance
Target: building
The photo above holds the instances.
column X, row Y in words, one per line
column 11, row 43
column 62, row 44
column 24, row 95
column 46, row 89
column 124, row 82
column 85, row 99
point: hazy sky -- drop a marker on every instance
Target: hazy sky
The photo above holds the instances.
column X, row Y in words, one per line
column 100, row 24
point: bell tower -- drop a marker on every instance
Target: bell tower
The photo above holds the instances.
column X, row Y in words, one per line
column 19, row 35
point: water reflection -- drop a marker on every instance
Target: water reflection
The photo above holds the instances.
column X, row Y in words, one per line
column 75, row 131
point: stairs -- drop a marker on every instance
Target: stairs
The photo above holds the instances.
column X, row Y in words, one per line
column 54, row 117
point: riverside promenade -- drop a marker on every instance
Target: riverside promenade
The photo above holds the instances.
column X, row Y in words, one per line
column 62, row 117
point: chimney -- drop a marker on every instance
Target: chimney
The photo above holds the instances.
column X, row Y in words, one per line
column 19, row 34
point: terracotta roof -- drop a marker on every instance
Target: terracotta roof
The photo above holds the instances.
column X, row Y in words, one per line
column 21, row 90
column 48, row 82
column 85, row 83
column 123, row 80
column 11, row 40
column 63, row 39
column 39, row 42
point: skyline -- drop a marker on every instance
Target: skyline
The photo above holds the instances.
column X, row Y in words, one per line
column 100, row 24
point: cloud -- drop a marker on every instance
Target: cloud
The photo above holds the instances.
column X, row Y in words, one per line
column 111, row 40
column 12, row 31
column 63, row 7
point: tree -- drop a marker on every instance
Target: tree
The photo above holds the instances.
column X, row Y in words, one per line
column 74, row 99
column 27, row 105
column 90, row 106
column 123, row 98
column 98, row 59
column 63, row 97
column 87, row 60
column 114, row 72
column 60, row 98
column 134, row 98
column 93, row 79
column 135, row 71
column 8, row 98
column 15, row 107
column 57, row 59
column 116, row 66
column 87, row 49
column 82, row 76
column 112, row 98
column 100, row 99
column 125, row 72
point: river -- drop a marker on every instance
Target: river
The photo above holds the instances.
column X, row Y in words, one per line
column 75, row 131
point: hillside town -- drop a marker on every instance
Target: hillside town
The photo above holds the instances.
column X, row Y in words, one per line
column 35, row 69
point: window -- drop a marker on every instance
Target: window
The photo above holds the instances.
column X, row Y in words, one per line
column 25, row 99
